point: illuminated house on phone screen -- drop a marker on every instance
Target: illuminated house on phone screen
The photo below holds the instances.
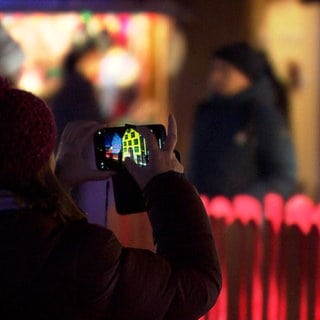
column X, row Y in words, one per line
column 134, row 146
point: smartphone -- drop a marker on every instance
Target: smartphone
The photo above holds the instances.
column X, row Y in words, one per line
column 112, row 146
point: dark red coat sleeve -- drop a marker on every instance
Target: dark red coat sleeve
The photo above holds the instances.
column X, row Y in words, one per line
column 181, row 281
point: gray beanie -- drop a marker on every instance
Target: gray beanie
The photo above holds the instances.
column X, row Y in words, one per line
column 11, row 54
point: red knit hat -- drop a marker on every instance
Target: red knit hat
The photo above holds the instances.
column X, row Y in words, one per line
column 27, row 133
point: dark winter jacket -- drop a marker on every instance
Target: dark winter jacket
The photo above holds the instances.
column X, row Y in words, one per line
column 241, row 145
column 78, row 270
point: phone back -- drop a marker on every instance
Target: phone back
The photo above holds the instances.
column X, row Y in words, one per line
column 127, row 194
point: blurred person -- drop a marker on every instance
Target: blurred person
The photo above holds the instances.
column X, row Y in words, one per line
column 77, row 100
column 11, row 56
column 56, row 265
column 281, row 89
column 240, row 142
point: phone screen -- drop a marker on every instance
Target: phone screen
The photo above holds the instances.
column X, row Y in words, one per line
column 114, row 145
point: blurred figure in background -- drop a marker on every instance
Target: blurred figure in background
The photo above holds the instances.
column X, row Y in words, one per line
column 11, row 56
column 281, row 89
column 77, row 100
column 241, row 143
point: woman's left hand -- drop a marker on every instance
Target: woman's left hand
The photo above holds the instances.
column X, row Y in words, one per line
column 75, row 156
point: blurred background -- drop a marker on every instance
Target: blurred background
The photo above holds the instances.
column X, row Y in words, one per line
column 148, row 58
column 156, row 57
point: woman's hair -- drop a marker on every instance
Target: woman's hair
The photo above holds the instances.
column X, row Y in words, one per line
column 44, row 194
column 27, row 140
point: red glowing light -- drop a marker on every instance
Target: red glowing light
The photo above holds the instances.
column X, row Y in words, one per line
column 247, row 208
column 221, row 207
column 266, row 247
column 299, row 211
column 274, row 210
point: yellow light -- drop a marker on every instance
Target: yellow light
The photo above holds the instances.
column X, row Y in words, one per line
column 119, row 68
column 112, row 23
column 31, row 81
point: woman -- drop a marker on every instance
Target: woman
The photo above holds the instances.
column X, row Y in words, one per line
column 55, row 265
column 240, row 141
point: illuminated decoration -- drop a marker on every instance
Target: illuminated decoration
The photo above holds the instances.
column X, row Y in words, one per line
column 31, row 81
column 86, row 16
column 112, row 23
column 133, row 146
column 247, row 208
column 274, row 210
column 220, row 207
column 139, row 55
column 270, row 257
column 118, row 69
column 299, row 211
column 143, row 52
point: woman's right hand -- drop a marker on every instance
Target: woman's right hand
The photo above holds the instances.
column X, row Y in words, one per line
column 160, row 160
column 75, row 162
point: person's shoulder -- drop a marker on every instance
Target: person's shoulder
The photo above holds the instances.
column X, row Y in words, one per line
column 93, row 242
column 89, row 232
column 205, row 106
column 206, row 102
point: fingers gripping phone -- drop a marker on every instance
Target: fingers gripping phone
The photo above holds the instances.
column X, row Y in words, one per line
column 112, row 146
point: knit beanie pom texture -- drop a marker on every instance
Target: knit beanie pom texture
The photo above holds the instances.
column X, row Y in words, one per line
column 27, row 133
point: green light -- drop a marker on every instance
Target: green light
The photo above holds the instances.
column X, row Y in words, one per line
column 86, row 16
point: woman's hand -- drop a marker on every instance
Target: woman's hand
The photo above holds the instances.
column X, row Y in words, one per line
column 160, row 160
column 75, row 156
